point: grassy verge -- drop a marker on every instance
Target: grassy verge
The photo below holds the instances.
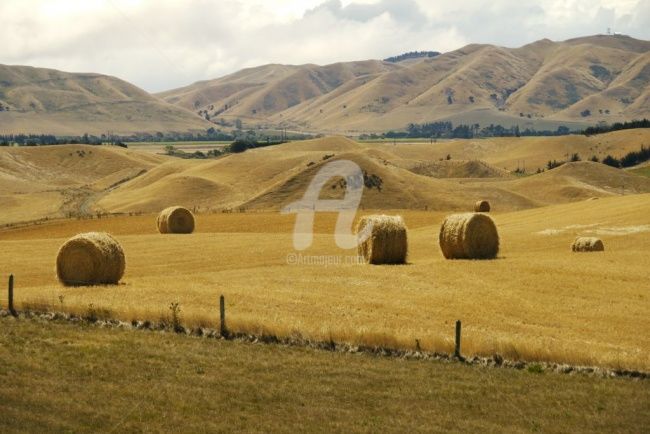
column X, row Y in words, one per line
column 61, row 377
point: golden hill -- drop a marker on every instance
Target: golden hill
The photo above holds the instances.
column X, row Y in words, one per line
column 459, row 169
column 540, row 85
column 38, row 100
column 266, row 90
column 579, row 181
column 531, row 153
column 56, row 181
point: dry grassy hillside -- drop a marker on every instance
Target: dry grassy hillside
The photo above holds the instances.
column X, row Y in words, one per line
column 539, row 85
column 459, row 169
column 56, row 181
column 53, row 181
column 256, row 93
column 531, row 153
column 279, row 175
column 38, row 100
column 579, row 181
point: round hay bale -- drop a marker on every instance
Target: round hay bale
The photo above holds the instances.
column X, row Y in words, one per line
column 587, row 244
column 93, row 258
column 387, row 243
column 482, row 206
column 469, row 236
column 175, row 220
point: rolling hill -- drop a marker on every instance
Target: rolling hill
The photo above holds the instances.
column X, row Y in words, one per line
column 58, row 181
column 38, row 100
column 540, row 85
column 72, row 180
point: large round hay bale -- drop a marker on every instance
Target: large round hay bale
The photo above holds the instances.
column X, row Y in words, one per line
column 387, row 242
column 92, row 258
column 482, row 206
column 175, row 220
column 587, row 244
column 469, row 236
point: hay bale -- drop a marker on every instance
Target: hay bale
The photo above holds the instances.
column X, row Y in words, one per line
column 175, row 220
column 482, row 206
column 92, row 258
column 469, row 236
column 587, row 244
column 387, row 243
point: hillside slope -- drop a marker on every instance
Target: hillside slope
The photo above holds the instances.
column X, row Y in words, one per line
column 530, row 153
column 540, row 85
column 403, row 176
column 72, row 180
column 56, row 181
column 38, row 100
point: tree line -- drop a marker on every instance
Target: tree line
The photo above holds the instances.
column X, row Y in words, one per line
column 411, row 55
column 590, row 131
column 50, row 139
column 446, row 129
column 630, row 159
column 210, row 135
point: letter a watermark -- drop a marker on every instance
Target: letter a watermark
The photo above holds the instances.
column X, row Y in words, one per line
column 346, row 208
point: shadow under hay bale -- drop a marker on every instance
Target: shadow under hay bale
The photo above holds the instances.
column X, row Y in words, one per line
column 92, row 258
column 482, row 206
column 387, row 242
column 469, row 236
column 587, row 244
column 175, row 220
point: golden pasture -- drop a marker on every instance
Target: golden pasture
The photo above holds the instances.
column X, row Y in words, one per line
column 537, row 301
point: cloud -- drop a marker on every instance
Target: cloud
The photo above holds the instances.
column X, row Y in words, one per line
column 169, row 43
column 404, row 11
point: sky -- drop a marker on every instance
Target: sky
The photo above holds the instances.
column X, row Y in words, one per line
column 164, row 44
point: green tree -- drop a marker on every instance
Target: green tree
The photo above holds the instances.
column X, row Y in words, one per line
column 611, row 161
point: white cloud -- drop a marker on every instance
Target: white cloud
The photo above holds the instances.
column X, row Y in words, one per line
column 168, row 43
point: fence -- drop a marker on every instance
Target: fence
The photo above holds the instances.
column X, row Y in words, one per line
column 223, row 329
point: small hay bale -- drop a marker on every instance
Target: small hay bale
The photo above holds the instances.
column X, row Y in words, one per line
column 482, row 206
column 92, row 258
column 387, row 243
column 175, row 220
column 587, row 244
column 469, row 236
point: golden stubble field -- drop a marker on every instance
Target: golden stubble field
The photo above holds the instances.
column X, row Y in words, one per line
column 537, row 301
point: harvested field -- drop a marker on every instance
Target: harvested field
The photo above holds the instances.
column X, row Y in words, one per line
column 521, row 305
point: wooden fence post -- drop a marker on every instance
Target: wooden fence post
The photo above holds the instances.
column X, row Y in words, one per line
column 222, row 316
column 457, row 349
column 10, row 296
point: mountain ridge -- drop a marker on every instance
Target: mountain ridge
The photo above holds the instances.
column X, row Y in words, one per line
column 543, row 84
column 44, row 100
